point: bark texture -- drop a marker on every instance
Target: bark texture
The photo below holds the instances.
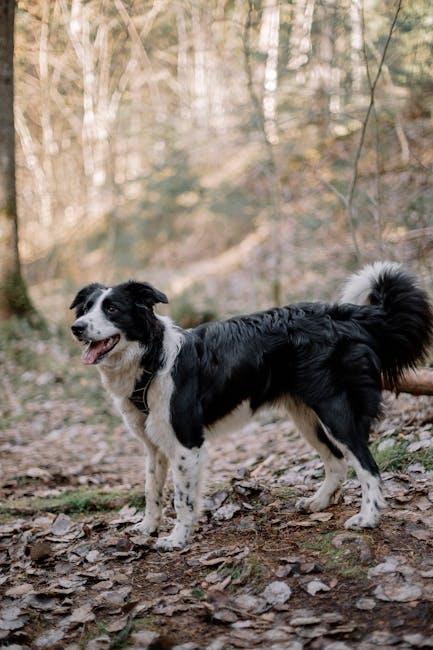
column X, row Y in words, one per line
column 14, row 300
column 417, row 382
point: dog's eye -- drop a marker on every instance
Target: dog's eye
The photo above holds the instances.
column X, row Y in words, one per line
column 111, row 309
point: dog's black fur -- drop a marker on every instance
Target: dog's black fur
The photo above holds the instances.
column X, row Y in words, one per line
column 330, row 357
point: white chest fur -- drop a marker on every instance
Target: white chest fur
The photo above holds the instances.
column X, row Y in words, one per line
column 119, row 381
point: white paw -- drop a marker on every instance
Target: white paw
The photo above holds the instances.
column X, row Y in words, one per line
column 311, row 504
column 145, row 527
column 363, row 521
column 169, row 543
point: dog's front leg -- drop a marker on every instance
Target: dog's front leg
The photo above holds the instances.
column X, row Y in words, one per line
column 156, row 473
column 187, row 470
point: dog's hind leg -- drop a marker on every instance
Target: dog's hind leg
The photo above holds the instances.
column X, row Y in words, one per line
column 349, row 429
column 156, row 473
column 333, row 459
column 372, row 497
column 188, row 468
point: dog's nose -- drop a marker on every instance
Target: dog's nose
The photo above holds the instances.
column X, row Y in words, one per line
column 78, row 329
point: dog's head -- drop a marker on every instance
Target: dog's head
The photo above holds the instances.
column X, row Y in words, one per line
column 108, row 317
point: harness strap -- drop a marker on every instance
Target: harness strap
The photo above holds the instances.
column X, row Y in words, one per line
column 139, row 395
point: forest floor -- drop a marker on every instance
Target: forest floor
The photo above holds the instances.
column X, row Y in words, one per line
column 257, row 574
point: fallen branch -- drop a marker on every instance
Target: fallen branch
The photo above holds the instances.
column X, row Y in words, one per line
column 415, row 382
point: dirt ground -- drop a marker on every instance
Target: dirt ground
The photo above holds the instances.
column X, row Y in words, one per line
column 257, row 574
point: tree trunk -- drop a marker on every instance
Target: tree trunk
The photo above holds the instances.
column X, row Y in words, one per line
column 415, row 382
column 14, row 300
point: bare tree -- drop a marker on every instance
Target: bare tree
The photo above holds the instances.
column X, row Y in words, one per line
column 265, row 118
column 14, row 299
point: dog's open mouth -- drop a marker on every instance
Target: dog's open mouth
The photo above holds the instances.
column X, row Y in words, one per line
column 96, row 350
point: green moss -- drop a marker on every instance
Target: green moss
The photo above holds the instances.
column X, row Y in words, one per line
column 198, row 593
column 284, row 492
column 398, row 458
column 72, row 502
column 339, row 560
column 18, row 299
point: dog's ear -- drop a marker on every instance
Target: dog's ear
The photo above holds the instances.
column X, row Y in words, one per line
column 84, row 293
column 144, row 295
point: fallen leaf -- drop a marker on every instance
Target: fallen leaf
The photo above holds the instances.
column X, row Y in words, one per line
column 40, row 551
column 19, row 590
column 226, row 512
column 277, row 593
column 50, row 638
column 224, row 616
column 401, row 593
column 61, row 525
column 365, row 603
column 41, row 601
column 315, row 586
column 82, row 614
column 305, row 620
column 321, row 516
column 156, row 578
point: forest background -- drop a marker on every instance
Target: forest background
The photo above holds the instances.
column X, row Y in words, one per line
column 236, row 154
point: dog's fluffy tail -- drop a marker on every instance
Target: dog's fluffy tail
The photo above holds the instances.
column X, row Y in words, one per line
column 404, row 330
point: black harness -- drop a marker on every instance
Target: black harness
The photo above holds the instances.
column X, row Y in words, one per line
column 141, row 387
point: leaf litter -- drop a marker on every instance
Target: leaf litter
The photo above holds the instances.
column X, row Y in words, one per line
column 256, row 573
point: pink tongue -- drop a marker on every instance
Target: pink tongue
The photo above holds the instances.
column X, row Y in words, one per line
column 91, row 353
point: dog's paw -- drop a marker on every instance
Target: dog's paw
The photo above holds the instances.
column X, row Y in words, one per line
column 362, row 521
column 311, row 504
column 169, row 543
column 145, row 528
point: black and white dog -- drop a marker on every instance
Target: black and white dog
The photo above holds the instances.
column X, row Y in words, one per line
column 325, row 363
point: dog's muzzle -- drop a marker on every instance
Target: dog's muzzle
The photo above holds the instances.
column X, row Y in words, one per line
column 78, row 330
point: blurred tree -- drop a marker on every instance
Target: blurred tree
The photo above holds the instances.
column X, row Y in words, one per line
column 14, row 299
column 160, row 135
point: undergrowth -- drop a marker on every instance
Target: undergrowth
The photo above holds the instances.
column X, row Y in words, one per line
column 398, row 458
column 73, row 502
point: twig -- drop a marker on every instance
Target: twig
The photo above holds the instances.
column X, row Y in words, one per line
column 270, row 168
column 373, row 85
column 377, row 213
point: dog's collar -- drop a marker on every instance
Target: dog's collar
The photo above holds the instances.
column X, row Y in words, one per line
column 141, row 387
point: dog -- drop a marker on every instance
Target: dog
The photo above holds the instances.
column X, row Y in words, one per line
column 325, row 364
